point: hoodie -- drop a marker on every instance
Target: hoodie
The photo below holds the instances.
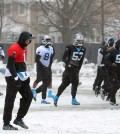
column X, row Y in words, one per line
column 16, row 56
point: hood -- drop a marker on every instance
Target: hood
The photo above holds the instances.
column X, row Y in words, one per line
column 23, row 37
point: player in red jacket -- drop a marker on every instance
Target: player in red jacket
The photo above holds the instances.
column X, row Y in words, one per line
column 17, row 80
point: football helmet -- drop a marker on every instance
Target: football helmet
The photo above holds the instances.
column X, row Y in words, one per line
column 78, row 39
column 110, row 42
column 47, row 40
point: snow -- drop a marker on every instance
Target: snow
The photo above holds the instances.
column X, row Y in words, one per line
column 93, row 116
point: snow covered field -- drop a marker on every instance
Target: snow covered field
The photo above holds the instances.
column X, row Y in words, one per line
column 93, row 116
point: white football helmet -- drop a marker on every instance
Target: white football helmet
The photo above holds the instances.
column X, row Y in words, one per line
column 47, row 40
column 78, row 37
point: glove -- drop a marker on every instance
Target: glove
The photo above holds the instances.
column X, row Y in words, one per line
column 2, row 57
column 114, row 65
column 99, row 67
column 69, row 65
column 17, row 81
column 2, row 70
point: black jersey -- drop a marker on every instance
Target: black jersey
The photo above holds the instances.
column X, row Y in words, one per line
column 74, row 55
column 114, row 56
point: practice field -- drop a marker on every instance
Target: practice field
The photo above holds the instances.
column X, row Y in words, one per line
column 93, row 116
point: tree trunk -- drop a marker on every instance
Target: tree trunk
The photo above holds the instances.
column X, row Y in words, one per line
column 66, row 32
column 66, row 35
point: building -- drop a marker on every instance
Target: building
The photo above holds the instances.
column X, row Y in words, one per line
column 25, row 15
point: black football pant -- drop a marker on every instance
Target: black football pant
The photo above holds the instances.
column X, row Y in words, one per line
column 116, row 83
column 70, row 75
column 11, row 92
column 103, row 75
column 99, row 78
column 43, row 75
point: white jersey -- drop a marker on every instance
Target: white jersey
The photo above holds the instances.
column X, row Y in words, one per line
column 45, row 54
column 2, row 51
column 99, row 59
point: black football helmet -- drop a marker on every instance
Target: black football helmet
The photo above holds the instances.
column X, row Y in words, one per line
column 110, row 42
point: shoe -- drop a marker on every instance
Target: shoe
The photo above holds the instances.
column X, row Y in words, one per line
column 34, row 94
column 43, row 101
column 1, row 94
column 97, row 91
column 80, row 83
column 108, row 98
column 55, row 98
column 50, row 95
column 20, row 123
column 74, row 102
column 102, row 94
column 113, row 103
column 9, row 127
column 93, row 88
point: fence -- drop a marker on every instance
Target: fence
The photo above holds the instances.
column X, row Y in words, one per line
column 91, row 51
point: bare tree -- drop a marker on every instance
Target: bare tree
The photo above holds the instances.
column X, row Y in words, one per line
column 6, row 22
column 1, row 16
column 66, row 15
column 70, row 16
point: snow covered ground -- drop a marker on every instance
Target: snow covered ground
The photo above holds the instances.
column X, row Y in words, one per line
column 93, row 116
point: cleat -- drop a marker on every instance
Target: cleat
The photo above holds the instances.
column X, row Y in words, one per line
column 113, row 103
column 20, row 123
column 34, row 94
column 102, row 94
column 9, row 127
column 55, row 98
column 97, row 92
column 44, row 102
column 80, row 83
column 93, row 88
column 50, row 95
column 1, row 94
column 108, row 98
column 74, row 102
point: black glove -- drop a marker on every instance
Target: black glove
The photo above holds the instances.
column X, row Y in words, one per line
column 17, row 82
column 99, row 67
column 114, row 64
column 2, row 57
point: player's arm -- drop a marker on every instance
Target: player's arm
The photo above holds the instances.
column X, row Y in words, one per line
column 37, row 58
column 11, row 64
column 108, row 61
column 2, row 53
column 66, row 56
column 81, row 61
column 52, row 56
column 100, row 57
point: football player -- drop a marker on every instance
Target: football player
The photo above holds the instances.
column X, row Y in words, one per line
column 73, row 59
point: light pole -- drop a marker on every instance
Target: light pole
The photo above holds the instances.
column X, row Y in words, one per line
column 95, row 34
column 102, row 21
